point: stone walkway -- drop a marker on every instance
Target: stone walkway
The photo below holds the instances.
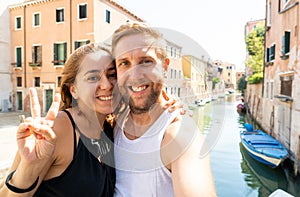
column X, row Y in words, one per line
column 9, row 122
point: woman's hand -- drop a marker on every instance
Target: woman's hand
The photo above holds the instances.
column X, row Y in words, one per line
column 35, row 137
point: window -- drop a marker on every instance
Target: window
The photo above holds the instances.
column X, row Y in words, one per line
column 272, row 90
column 37, row 55
column 36, row 19
column 228, row 74
column 81, row 43
column 60, row 15
column 107, row 18
column 18, row 24
column 269, row 12
column 286, row 43
column 18, row 57
column 19, row 81
column 60, row 53
column 267, row 90
column 286, row 85
column 37, row 82
column 270, row 53
column 58, row 81
column 82, row 11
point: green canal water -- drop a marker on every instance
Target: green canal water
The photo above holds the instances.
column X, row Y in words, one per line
column 235, row 172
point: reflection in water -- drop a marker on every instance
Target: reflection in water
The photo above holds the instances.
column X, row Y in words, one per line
column 261, row 177
column 235, row 172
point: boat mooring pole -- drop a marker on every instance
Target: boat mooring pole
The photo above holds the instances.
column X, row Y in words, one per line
column 297, row 157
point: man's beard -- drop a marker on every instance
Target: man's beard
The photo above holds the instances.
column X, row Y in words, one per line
column 150, row 101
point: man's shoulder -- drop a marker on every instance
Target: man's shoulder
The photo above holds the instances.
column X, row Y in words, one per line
column 182, row 123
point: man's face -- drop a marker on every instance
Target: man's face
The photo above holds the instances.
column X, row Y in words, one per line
column 140, row 72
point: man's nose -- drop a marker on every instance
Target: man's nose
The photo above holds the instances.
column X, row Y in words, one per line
column 135, row 72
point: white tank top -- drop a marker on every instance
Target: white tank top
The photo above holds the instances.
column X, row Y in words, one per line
column 139, row 169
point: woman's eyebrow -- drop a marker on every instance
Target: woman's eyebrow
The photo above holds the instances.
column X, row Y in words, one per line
column 93, row 71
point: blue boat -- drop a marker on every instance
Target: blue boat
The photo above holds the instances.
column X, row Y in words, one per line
column 262, row 147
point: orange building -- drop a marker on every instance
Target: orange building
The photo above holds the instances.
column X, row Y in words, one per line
column 45, row 32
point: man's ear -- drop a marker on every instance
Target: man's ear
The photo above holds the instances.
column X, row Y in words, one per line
column 167, row 63
column 73, row 91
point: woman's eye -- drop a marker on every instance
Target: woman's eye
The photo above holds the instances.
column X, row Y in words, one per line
column 112, row 75
column 93, row 78
column 124, row 63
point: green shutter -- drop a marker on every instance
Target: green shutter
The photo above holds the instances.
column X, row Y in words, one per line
column 283, row 50
column 65, row 53
column 287, row 41
column 19, row 57
column 55, row 53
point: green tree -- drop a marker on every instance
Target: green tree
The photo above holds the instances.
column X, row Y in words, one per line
column 242, row 84
column 255, row 48
column 215, row 81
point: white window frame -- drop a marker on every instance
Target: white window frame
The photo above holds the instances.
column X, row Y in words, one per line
column 33, row 19
column 269, row 14
column 16, row 28
column 61, row 8
column 78, row 5
column 16, row 56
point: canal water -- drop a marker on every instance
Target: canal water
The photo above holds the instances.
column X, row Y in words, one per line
column 235, row 172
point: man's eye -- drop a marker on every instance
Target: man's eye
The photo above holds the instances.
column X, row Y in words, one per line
column 147, row 62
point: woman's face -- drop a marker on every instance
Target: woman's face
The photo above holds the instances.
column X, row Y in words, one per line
column 95, row 82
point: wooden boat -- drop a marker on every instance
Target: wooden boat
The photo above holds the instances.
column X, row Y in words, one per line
column 262, row 147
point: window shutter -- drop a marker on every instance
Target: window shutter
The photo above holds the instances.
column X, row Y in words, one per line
column 33, row 54
column 77, row 44
column 19, row 57
column 39, row 54
column 287, row 41
column 283, row 45
column 55, row 47
column 286, row 88
column 65, row 52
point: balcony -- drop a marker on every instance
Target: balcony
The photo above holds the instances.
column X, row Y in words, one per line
column 35, row 64
column 16, row 66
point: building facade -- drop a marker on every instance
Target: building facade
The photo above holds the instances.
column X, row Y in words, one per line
column 45, row 32
column 281, row 105
column 5, row 70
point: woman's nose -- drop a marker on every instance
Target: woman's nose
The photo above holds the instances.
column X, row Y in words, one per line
column 105, row 83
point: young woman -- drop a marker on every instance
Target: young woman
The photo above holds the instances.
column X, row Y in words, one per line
column 73, row 154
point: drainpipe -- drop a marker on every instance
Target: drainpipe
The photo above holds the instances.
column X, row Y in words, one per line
column 25, row 80
column 297, row 151
column 71, row 39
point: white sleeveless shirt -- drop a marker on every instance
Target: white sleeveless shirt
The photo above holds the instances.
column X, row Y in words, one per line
column 139, row 168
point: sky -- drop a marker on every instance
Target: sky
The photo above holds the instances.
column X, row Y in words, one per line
column 216, row 25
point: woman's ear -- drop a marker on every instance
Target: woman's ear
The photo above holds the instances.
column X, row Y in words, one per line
column 73, row 91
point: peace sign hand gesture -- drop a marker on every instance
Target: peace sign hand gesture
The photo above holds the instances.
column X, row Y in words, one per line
column 35, row 137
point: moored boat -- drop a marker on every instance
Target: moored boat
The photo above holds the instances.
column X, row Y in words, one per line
column 263, row 147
